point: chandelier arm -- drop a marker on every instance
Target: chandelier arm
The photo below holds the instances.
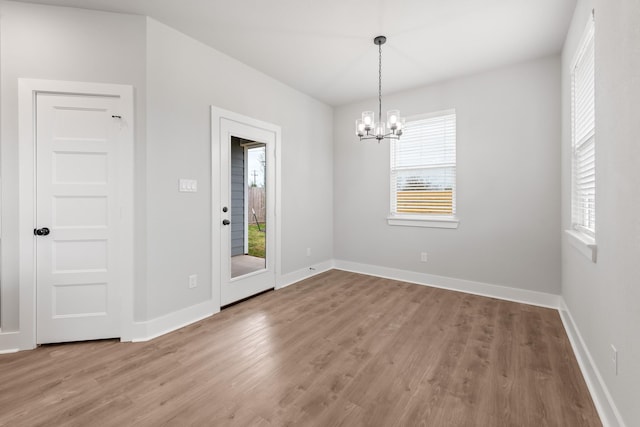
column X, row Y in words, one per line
column 389, row 136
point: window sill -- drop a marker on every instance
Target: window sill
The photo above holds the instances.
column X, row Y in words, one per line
column 586, row 245
column 424, row 221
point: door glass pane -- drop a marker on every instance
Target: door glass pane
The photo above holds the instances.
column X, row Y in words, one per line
column 248, row 207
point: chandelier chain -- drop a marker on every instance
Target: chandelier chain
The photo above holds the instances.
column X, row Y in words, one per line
column 380, row 83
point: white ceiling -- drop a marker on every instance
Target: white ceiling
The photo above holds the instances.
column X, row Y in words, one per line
column 325, row 49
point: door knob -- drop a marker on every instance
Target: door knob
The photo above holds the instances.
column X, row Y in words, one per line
column 41, row 231
column 226, row 222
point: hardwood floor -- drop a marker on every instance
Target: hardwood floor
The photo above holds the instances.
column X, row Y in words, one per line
column 339, row 349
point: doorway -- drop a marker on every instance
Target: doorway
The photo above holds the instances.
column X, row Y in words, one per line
column 244, row 204
column 76, row 211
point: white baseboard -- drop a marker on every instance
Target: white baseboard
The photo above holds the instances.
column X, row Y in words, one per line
column 477, row 288
column 609, row 414
column 607, row 410
column 290, row 278
column 10, row 342
column 150, row 329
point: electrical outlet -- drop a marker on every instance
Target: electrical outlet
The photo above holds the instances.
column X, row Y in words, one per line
column 614, row 358
column 308, row 251
column 193, row 281
column 423, row 257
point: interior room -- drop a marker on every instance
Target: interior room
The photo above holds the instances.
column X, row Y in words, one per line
column 330, row 213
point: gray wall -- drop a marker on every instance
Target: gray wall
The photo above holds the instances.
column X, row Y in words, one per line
column 604, row 297
column 63, row 44
column 176, row 80
column 184, row 78
column 238, row 185
column 508, row 169
column 508, row 202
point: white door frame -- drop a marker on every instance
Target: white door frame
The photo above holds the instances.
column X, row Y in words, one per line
column 246, row 200
column 217, row 114
column 27, row 91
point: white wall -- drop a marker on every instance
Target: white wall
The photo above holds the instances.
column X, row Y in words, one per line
column 508, row 130
column 184, row 78
column 58, row 44
column 604, row 297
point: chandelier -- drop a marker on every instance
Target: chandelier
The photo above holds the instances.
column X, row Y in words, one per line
column 367, row 127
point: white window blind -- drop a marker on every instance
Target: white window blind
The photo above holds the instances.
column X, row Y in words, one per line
column 583, row 135
column 423, row 167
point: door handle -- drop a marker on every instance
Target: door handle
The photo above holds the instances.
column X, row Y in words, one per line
column 41, row 231
column 226, row 222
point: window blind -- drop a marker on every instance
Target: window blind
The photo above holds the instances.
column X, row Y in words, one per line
column 583, row 135
column 423, row 167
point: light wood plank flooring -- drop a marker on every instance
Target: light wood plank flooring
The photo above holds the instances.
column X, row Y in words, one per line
column 339, row 349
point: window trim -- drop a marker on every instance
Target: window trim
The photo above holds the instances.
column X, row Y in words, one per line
column 585, row 244
column 429, row 221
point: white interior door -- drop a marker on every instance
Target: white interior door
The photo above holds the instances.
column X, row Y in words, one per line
column 236, row 286
column 76, row 217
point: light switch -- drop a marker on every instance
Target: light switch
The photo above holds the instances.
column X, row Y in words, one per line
column 188, row 186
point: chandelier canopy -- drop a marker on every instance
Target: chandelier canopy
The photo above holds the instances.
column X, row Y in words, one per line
column 367, row 127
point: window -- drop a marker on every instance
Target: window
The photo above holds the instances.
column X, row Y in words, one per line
column 583, row 167
column 423, row 172
column 583, row 208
